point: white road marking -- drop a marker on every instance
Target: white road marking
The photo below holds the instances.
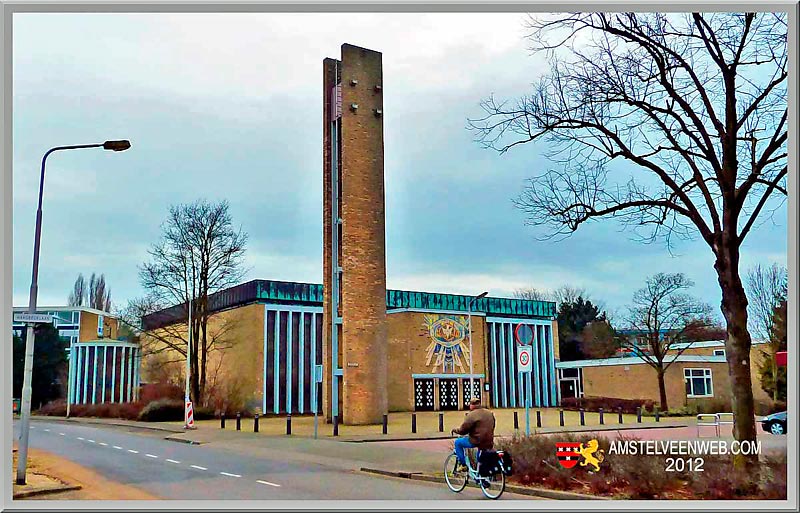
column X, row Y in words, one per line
column 173, row 461
column 104, row 444
column 151, row 455
column 117, row 447
column 198, row 467
column 230, row 475
column 132, row 451
column 91, row 441
column 81, row 438
column 47, row 430
column 62, row 434
column 266, row 483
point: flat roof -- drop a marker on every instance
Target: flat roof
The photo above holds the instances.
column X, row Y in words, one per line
column 40, row 309
column 635, row 360
column 311, row 294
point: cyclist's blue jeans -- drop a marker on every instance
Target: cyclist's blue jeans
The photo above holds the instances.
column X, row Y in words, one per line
column 461, row 445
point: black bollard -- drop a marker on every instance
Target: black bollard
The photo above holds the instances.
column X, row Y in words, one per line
column 441, row 422
column 538, row 419
column 255, row 423
column 639, row 414
column 336, row 426
column 222, row 420
column 238, row 421
column 516, row 421
column 288, row 423
column 601, row 417
column 385, row 424
column 413, row 422
column 583, row 419
column 561, row 417
column 656, row 408
column 619, row 411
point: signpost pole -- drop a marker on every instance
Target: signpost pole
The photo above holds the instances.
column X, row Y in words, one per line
column 527, row 407
column 524, row 336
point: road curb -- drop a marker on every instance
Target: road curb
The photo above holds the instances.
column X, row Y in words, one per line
column 522, row 490
column 101, row 422
column 45, row 491
column 181, row 440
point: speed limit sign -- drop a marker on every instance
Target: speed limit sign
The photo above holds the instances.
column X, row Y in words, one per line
column 524, row 358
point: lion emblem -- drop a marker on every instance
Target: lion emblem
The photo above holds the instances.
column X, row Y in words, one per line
column 592, row 454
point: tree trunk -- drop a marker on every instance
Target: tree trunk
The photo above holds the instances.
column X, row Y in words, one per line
column 662, row 391
column 194, row 382
column 737, row 346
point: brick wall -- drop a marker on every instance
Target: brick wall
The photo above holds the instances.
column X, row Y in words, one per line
column 88, row 327
column 364, row 336
column 235, row 371
column 408, row 345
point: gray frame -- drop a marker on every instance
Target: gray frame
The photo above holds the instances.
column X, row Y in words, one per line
column 506, row 6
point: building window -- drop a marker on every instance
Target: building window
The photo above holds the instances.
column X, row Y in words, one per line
column 698, row 383
column 719, row 352
column 100, row 326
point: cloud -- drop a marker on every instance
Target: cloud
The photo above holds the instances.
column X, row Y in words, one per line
column 228, row 106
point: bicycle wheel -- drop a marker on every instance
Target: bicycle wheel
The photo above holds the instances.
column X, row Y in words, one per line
column 456, row 479
column 493, row 486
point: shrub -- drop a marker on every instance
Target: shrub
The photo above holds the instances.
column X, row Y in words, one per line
column 714, row 405
column 155, row 391
column 57, row 408
column 162, row 410
column 609, row 404
column 639, row 476
column 204, row 413
column 128, row 411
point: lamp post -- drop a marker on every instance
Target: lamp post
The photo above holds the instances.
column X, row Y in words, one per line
column 25, row 412
column 186, row 424
column 469, row 330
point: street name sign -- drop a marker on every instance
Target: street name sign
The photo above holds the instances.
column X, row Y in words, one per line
column 33, row 318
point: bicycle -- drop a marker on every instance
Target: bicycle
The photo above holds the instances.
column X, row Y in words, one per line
column 456, row 478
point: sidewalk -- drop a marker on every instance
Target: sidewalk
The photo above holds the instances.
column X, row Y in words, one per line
column 427, row 424
column 38, row 482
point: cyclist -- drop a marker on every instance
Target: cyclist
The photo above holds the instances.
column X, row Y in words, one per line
column 478, row 431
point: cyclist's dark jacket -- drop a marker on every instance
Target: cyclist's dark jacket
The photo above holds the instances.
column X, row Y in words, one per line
column 479, row 425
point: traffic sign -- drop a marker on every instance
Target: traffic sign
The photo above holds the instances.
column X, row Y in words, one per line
column 524, row 358
column 35, row 318
column 524, row 334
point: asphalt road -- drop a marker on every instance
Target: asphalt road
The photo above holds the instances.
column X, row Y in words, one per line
column 174, row 470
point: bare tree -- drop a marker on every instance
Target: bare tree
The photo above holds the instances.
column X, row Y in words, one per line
column 532, row 293
column 200, row 252
column 78, row 294
column 766, row 288
column 674, row 124
column 662, row 313
column 99, row 294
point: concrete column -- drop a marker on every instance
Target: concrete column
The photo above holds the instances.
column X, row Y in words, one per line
column 113, row 374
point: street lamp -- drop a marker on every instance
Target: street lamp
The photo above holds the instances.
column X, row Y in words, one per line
column 469, row 330
column 25, row 413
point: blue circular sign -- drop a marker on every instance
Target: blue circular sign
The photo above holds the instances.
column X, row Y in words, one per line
column 524, row 334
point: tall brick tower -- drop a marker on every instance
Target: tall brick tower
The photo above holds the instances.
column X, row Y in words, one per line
column 355, row 345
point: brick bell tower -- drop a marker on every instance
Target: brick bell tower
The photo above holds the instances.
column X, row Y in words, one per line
column 354, row 312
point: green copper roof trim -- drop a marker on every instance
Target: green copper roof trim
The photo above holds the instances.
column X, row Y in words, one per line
column 268, row 290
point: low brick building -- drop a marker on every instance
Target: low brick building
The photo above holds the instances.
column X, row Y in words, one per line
column 101, row 366
column 270, row 336
column 700, row 372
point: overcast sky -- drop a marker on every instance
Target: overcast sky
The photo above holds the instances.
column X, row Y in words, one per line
column 228, row 106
